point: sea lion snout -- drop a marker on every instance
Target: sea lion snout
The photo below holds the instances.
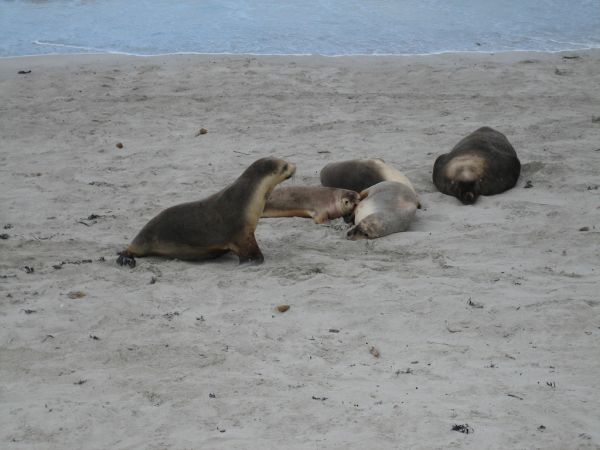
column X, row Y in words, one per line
column 468, row 198
column 355, row 233
column 367, row 228
column 348, row 202
column 468, row 191
column 290, row 170
column 349, row 218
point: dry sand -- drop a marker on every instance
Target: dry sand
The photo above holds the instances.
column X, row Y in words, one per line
column 188, row 355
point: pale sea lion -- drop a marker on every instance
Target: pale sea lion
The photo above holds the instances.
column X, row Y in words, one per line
column 221, row 223
column 483, row 163
column 317, row 202
column 386, row 208
column 360, row 174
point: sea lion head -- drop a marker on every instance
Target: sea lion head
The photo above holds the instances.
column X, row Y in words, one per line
column 466, row 172
column 273, row 166
column 347, row 203
column 368, row 228
column 467, row 191
column 272, row 170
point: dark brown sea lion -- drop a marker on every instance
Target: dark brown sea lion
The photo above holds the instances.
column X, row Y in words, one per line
column 483, row 163
column 317, row 202
column 221, row 223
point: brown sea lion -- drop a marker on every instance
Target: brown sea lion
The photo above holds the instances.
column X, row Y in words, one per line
column 385, row 208
column 360, row 174
column 221, row 223
column 317, row 202
column 483, row 163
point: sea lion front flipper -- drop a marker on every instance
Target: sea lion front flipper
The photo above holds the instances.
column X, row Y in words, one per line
column 248, row 251
column 364, row 194
column 126, row 258
column 321, row 218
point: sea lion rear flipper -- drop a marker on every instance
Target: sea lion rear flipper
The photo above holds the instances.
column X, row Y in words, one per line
column 248, row 251
column 126, row 258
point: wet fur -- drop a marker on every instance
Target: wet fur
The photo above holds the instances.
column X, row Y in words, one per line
column 483, row 163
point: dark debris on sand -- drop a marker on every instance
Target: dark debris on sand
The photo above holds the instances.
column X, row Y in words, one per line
column 463, row 428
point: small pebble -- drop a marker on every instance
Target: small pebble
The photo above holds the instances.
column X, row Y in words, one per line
column 283, row 308
column 119, row 145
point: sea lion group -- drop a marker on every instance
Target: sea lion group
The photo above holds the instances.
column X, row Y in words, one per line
column 375, row 197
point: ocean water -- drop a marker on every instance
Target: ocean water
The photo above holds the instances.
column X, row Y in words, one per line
column 325, row 27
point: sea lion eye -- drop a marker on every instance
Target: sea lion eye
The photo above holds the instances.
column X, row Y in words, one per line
column 285, row 168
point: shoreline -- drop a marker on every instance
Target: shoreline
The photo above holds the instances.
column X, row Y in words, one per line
column 269, row 55
column 57, row 61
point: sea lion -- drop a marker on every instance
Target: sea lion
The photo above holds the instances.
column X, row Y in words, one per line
column 483, row 163
column 320, row 203
column 360, row 174
column 221, row 223
column 386, row 208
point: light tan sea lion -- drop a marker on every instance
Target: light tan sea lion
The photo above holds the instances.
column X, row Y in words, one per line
column 483, row 163
column 386, row 208
column 317, row 202
column 221, row 223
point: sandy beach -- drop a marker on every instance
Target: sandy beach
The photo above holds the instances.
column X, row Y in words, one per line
column 483, row 316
